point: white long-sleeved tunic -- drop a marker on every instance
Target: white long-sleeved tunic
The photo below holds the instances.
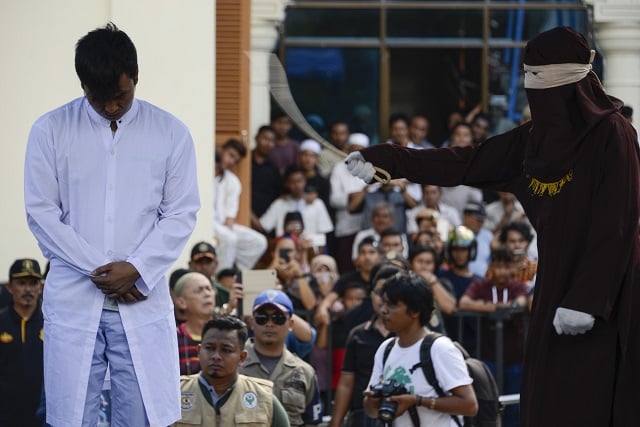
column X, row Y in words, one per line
column 93, row 197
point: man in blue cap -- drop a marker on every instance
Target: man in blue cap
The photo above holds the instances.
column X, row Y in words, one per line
column 294, row 380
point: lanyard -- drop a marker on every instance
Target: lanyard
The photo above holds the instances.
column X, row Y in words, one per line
column 494, row 294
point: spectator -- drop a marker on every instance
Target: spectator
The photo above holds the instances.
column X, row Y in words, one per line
column 460, row 251
column 348, row 221
column 419, row 130
column 381, row 219
column 447, row 216
column 21, row 335
column 308, row 159
column 294, row 380
column 517, row 237
column 506, row 210
column 204, row 259
column 338, row 136
column 392, row 240
column 266, row 180
column 285, row 151
column 399, row 131
column 315, row 216
column 406, row 308
column 218, row 394
column 360, row 349
column 473, row 218
column 423, row 261
column 460, row 195
column 501, row 292
column 195, row 297
column 132, row 168
column 292, row 274
column 480, row 127
column 369, row 256
column 238, row 245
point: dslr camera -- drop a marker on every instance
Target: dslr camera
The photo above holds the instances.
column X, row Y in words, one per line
column 387, row 409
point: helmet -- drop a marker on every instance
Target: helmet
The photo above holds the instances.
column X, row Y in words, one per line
column 462, row 237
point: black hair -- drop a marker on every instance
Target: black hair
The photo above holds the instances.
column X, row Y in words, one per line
column 398, row 116
column 417, row 250
column 517, row 226
column 226, row 272
column 383, row 270
column 265, row 128
column 339, row 122
column 412, row 290
column 291, row 169
column 102, row 56
column 234, row 144
column 462, row 124
column 228, row 323
column 368, row 241
column 482, row 116
column 502, row 254
column 390, row 232
column 276, row 114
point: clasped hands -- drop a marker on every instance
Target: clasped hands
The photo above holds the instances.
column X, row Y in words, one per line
column 118, row 280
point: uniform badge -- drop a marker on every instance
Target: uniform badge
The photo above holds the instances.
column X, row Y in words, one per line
column 6, row 338
column 41, row 334
column 186, row 401
column 250, row 400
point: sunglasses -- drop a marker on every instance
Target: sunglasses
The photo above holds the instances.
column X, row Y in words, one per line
column 263, row 318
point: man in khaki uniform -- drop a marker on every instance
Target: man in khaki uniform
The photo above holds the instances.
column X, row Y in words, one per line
column 218, row 395
column 294, row 380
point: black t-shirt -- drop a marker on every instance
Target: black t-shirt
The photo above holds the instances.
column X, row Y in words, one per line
column 362, row 344
column 266, row 186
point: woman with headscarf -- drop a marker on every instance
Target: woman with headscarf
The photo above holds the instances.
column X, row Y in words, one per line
column 575, row 168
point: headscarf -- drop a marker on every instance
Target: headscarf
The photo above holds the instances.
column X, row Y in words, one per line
column 561, row 115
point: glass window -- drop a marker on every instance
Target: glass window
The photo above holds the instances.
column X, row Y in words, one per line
column 336, row 84
column 441, row 23
column 312, row 22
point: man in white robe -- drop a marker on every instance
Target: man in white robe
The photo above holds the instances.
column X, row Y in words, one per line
column 111, row 196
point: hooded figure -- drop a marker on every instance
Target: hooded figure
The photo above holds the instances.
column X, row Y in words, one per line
column 575, row 169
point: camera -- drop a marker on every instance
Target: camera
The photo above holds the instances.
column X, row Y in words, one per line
column 387, row 410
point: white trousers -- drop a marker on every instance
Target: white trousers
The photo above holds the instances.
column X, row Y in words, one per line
column 241, row 245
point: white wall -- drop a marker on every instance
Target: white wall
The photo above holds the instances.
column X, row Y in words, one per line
column 176, row 54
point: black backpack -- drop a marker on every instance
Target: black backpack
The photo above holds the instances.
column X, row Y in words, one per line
column 484, row 385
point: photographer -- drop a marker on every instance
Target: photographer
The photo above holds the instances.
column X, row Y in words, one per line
column 398, row 384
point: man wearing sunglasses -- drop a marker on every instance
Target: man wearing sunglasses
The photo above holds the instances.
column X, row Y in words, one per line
column 294, row 381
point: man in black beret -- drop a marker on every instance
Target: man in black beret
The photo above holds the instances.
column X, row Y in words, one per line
column 21, row 336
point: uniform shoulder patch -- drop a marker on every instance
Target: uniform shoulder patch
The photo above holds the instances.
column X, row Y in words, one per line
column 250, row 400
column 186, row 401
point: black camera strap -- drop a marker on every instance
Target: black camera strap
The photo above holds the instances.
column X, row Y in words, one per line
column 413, row 410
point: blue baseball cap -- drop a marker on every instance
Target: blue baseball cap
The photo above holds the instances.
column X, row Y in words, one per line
column 274, row 297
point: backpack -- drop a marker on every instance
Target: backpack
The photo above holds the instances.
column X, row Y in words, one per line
column 484, row 385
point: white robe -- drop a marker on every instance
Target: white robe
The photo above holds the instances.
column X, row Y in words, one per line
column 93, row 198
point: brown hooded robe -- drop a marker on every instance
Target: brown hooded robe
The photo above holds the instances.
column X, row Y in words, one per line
column 588, row 245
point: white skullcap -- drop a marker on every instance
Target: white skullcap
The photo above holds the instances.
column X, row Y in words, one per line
column 311, row 145
column 358, row 139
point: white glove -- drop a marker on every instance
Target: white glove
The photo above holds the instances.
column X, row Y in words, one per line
column 358, row 166
column 572, row 322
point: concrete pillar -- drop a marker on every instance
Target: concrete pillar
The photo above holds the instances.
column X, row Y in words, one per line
column 617, row 31
column 265, row 18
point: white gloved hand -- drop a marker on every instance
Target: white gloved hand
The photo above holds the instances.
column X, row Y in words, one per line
column 572, row 322
column 358, row 166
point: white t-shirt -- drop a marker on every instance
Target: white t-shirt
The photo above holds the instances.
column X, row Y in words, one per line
column 451, row 372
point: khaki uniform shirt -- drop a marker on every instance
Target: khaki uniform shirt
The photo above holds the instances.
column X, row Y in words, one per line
column 294, row 382
column 250, row 402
